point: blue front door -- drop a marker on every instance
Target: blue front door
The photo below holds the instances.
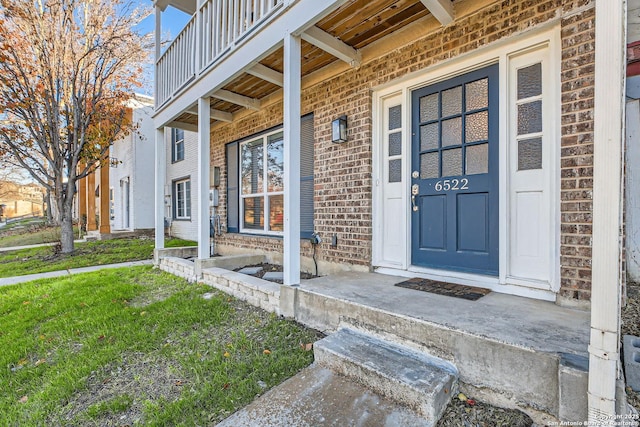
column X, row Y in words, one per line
column 454, row 191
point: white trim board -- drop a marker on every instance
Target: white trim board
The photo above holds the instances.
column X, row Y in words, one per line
column 499, row 53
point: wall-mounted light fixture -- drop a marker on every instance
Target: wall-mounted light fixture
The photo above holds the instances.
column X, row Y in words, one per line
column 339, row 130
column 214, row 176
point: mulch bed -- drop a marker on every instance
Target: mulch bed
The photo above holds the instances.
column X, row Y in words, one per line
column 469, row 413
column 275, row 268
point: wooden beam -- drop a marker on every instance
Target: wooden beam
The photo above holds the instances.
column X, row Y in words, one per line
column 235, row 98
column 214, row 114
column 105, row 214
column 332, row 45
column 442, row 10
column 267, row 74
column 184, row 126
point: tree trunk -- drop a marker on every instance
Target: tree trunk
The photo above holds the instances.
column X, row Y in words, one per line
column 64, row 203
column 49, row 211
column 66, row 233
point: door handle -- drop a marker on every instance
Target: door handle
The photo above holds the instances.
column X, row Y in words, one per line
column 415, row 189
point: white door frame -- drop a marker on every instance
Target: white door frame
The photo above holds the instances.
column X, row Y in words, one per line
column 498, row 53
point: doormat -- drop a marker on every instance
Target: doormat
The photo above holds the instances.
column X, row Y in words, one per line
column 447, row 289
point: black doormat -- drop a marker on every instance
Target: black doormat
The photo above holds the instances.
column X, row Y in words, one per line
column 441, row 288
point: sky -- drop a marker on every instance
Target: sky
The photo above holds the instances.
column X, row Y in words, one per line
column 173, row 21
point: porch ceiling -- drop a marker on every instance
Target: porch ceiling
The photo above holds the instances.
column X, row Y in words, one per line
column 357, row 23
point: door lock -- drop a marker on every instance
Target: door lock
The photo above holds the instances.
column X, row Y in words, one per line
column 415, row 174
column 414, row 192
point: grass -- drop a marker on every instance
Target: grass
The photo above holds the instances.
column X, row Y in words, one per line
column 43, row 259
column 136, row 347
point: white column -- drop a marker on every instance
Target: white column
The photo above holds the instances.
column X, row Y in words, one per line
column 607, row 209
column 292, row 85
column 158, row 41
column 158, row 32
column 204, row 164
column 160, row 181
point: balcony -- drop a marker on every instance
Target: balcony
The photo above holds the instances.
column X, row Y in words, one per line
column 231, row 51
column 215, row 29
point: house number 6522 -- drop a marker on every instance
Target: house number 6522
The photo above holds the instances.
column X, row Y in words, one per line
column 452, row 184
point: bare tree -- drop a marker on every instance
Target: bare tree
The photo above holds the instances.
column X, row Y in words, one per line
column 67, row 70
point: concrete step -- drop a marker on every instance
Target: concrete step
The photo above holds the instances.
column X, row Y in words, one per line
column 317, row 396
column 509, row 351
column 422, row 382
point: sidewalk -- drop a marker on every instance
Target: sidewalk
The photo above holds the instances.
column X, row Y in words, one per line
column 39, row 245
column 29, row 277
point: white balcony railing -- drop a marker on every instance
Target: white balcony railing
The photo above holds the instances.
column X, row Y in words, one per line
column 215, row 29
column 177, row 66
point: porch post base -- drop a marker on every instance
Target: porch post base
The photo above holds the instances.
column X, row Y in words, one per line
column 288, row 301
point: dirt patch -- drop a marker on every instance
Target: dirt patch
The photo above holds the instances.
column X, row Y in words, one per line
column 139, row 377
column 477, row 414
column 159, row 294
column 266, row 268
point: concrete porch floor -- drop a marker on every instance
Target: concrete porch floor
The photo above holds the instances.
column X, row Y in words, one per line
column 528, row 323
column 510, row 351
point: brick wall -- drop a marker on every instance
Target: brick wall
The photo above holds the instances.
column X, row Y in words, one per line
column 343, row 183
column 577, row 80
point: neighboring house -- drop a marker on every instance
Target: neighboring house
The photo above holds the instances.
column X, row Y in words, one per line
column 122, row 188
column 131, row 175
column 21, row 199
column 180, row 213
column 449, row 140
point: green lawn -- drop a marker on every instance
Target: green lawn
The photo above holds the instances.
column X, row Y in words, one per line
column 136, row 346
column 43, row 259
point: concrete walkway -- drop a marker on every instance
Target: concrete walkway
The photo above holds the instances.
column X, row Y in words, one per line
column 39, row 245
column 29, row 277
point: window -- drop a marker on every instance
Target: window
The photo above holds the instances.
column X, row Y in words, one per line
column 182, row 198
column 262, row 183
column 255, row 182
column 177, row 145
column 529, row 116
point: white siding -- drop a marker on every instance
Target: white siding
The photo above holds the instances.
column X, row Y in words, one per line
column 187, row 168
column 142, row 194
column 135, row 171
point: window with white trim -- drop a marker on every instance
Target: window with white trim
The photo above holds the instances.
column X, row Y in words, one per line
column 182, row 198
column 262, row 183
column 177, row 145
